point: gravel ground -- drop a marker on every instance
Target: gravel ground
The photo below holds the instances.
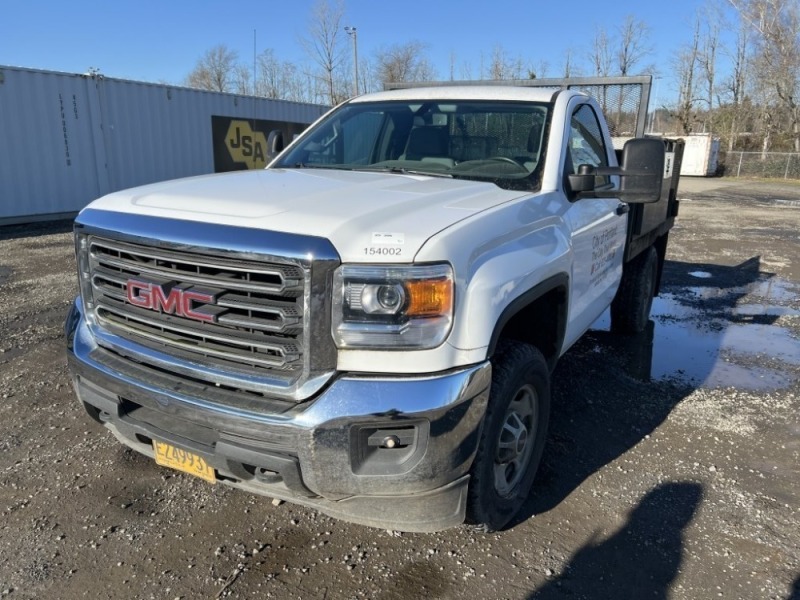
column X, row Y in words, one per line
column 671, row 469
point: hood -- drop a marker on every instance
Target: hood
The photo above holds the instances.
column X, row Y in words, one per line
column 368, row 217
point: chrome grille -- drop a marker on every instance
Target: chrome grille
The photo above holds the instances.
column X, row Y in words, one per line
column 257, row 317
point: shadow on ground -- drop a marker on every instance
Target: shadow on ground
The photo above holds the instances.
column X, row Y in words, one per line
column 641, row 560
column 30, row 230
column 795, row 593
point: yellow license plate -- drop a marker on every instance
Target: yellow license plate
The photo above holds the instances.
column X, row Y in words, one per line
column 168, row 455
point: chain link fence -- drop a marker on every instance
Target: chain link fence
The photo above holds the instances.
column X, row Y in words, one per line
column 782, row 165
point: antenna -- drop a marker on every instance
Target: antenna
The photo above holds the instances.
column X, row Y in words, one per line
column 255, row 107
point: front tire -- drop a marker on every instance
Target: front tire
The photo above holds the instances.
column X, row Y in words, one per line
column 512, row 438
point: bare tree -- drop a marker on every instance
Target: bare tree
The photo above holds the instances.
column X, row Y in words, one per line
column 767, row 123
column 325, row 48
column 425, row 70
column 685, row 64
column 623, row 53
column 707, row 61
column 242, row 79
column 270, row 75
column 366, row 76
column 600, row 54
column 314, row 88
column 497, row 64
column 541, row 70
column 215, row 70
column 776, row 24
column 632, row 47
column 600, row 59
column 568, row 66
column 280, row 79
column 403, row 62
column 734, row 87
column 466, row 71
column 502, row 66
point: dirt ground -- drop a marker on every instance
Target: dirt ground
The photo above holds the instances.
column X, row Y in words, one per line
column 671, row 469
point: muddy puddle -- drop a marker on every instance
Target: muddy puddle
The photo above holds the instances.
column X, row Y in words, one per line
column 714, row 337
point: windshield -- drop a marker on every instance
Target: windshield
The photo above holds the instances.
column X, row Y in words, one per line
column 502, row 142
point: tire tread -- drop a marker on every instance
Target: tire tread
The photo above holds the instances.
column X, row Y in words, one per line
column 484, row 516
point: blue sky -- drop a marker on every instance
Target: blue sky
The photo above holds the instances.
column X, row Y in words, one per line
column 161, row 40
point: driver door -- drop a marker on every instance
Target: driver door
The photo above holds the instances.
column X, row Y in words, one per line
column 598, row 227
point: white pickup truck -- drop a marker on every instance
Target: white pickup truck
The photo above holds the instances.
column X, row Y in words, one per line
column 368, row 326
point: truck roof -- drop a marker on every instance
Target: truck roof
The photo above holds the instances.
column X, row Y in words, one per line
column 463, row 92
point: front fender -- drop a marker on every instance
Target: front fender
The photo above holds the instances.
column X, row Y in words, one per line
column 498, row 258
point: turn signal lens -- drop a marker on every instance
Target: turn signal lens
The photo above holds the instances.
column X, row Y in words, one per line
column 429, row 298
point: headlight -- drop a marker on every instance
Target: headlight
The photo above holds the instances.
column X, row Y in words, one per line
column 393, row 306
column 84, row 274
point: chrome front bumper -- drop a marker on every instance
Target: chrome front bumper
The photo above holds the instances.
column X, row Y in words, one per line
column 390, row 452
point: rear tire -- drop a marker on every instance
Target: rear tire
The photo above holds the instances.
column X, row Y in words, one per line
column 512, row 437
column 630, row 310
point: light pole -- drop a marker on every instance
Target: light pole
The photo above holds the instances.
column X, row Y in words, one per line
column 351, row 31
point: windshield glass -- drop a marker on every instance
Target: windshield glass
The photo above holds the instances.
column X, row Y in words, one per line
column 502, row 142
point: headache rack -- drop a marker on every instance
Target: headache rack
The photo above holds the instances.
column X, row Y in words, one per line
column 624, row 100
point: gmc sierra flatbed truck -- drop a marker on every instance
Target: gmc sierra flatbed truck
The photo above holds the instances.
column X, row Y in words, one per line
column 368, row 326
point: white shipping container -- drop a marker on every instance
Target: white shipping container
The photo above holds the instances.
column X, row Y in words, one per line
column 700, row 155
column 66, row 139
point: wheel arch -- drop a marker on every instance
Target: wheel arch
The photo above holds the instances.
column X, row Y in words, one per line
column 538, row 317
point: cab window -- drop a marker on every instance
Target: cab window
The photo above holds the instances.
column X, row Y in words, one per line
column 586, row 143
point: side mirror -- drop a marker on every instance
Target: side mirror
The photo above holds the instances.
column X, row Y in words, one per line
column 274, row 143
column 642, row 170
column 641, row 174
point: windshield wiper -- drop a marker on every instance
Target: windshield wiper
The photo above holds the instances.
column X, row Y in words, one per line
column 301, row 165
column 404, row 171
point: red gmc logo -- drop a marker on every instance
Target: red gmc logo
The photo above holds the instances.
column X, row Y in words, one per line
column 169, row 299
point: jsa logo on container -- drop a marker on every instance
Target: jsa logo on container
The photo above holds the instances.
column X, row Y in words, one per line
column 246, row 146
